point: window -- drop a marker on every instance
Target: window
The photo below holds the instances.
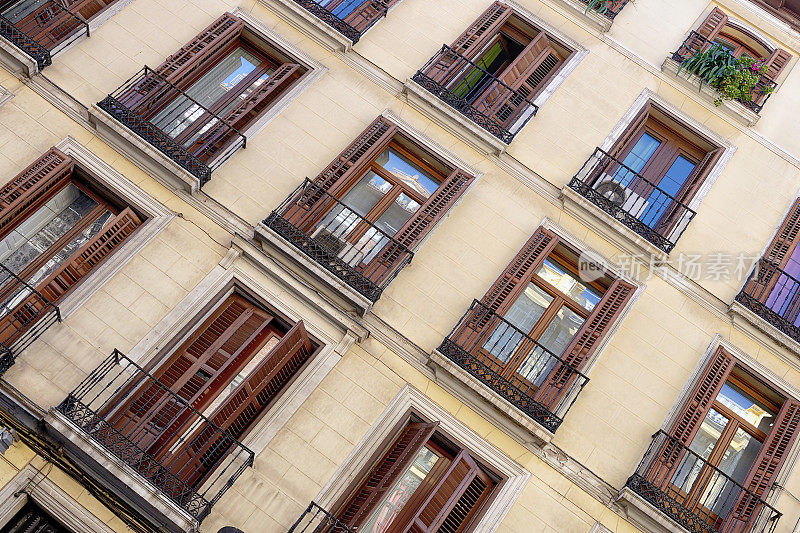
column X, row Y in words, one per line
column 721, row 455
column 537, row 327
column 423, row 482
column 773, row 290
column 56, row 225
column 788, row 10
column 649, row 177
column 495, row 70
column 351, row 18
column 32, row 519
column 195, row 106
column 371, row 207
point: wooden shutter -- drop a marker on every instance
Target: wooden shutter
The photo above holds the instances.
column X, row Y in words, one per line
column 711, row 380
column 244, row 406
column 399, row 457
column 631, row 132
column 429, row 213
column 357, row 156
column 32, row 187
column 514, row 278
column 585, row 342
column 713, row 24
column 225, row 339
column 532, row 66
column 90, row 255
column 785, row 240
column 483, row 29
column 455, row 499
column 362, row 18
column 776, row 63
column 206, row 46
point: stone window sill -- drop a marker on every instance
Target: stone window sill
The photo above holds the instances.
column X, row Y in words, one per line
column 309, row 24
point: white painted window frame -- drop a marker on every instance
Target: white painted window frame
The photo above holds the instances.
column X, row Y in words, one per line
column 411, row 399
column 36, row 485
column 159, row 217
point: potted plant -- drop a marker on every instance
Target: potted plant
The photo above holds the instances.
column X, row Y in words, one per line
column 601, row 6
column 734, row 78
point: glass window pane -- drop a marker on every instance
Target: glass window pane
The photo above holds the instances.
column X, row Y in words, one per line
column 397, row 214
column 636, row 159
column 662, row 198
column 702, row 446
column 722, row 493
column 538, row 364
column 409, row 173
column 366, row 193
column 566, row 282
column 744, row 405
column 524, row 314
column 397, row 497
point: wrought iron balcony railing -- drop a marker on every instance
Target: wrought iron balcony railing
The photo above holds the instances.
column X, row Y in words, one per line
column 174, row 123
column 24, row 315
column 351, row 18
column 42, row 29
column 477, row 94
column 695, row 494
column 157, row 433
column 695, row 43
column 609, row 8
column 631, row 199
column 773, row 295
column 339, row 239
column 315, row 519
column 543, row 386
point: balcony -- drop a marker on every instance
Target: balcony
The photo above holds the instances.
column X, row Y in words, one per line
column 174, row 123
column 773, row 295
column 633, row 201
column 608, row 8
column 351, row 18
column 543, row 387
column 340, row 240
column 171, row 446
column 43, row 31
column 24, row 315
column 315, row 519
column 477, row 94
column 696, row 495
column 695, row 42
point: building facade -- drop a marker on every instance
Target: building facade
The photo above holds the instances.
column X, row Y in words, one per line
column 399, row 265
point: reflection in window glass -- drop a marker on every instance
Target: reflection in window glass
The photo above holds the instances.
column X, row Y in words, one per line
column 397, row 497
column 524, row 313
column 566, row 282
column 538, row 364
column 744, row 405
column 411, row 174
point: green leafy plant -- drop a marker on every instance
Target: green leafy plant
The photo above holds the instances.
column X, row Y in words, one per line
column 734, row 78
column 601, row 6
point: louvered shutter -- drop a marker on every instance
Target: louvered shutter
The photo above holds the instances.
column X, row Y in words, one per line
column 625, row 140
column 88, row 8
column 90, row 255
column 711, row 380
column 776, row 255
column 364, row 17
column 776, row 63
column 219, row 135
column 455, row 499
column 207, row 46
column 399, row 457
column 345, row 167
column 713, row 24
column 243, row 407
column 483, row 29
column 223, row 340
column 32, row 187
column 586, row 341
column 770, row 459
column 428, row 214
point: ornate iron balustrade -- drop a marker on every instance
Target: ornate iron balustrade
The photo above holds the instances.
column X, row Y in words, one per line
column 544, row 386
column 174, row 123
column 610, row 9
column 339, row 239
column 315, row 519
column 476, row 94
column 157, row 433
column 773, row 295
column 631, row 199
column 695, row 494
column 42, row 31
column 695, row 43
column 24, row 315
column 351, row 18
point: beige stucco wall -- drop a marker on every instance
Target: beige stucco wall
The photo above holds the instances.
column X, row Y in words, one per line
column 639, row 375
